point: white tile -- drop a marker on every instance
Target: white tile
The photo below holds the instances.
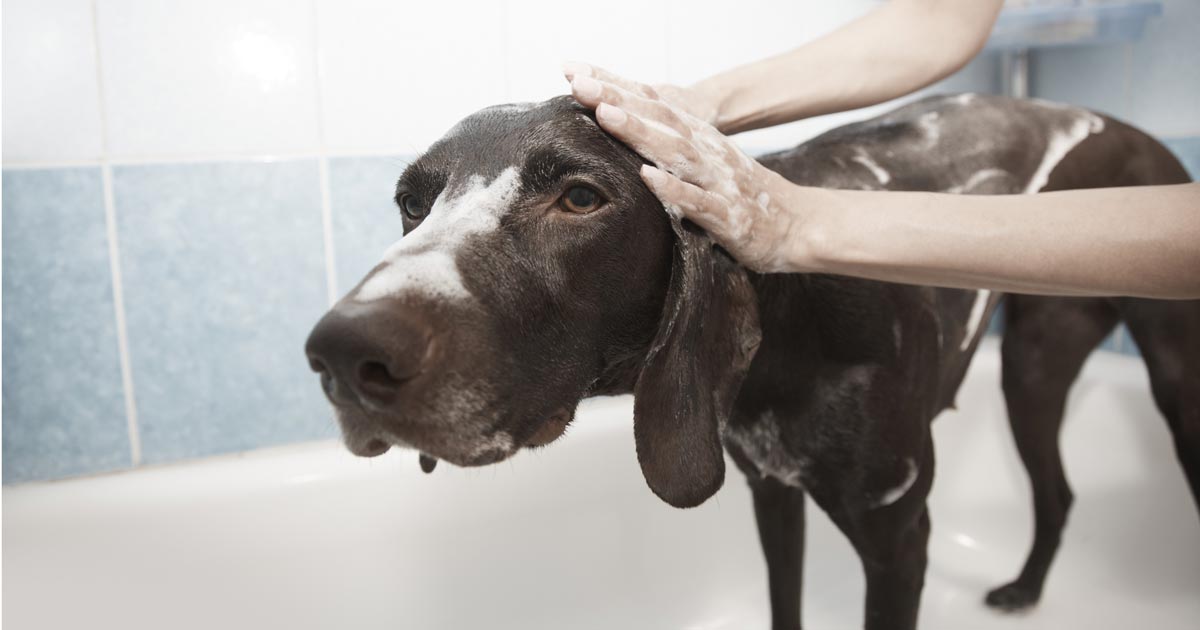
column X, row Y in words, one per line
column 1088, row 76
column 628, row 37
column 51, row 102
column 217, row 77
column 707, row 37
column 396, row 76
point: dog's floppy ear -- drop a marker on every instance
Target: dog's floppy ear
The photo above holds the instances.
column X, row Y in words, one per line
column 705, row 341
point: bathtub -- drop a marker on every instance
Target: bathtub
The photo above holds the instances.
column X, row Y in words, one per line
column 308, row 536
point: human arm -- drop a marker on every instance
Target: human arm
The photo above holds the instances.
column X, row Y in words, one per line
column 1141, row 241
column 1137, row 241
column 902, row 46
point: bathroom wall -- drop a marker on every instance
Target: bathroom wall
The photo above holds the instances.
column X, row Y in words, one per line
column 187, row 185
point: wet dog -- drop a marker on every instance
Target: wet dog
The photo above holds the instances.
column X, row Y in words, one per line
column 537, row 270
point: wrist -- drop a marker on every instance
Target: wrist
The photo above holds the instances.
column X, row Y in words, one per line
column 809, row 227
column 713, row 94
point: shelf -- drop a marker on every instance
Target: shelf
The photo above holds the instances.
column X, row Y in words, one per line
column 1078, row 23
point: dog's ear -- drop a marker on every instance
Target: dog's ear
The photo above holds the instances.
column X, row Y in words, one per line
column 706, row 339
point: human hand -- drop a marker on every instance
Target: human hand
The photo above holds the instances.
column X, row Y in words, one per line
column 701, row 174
column 693, row 100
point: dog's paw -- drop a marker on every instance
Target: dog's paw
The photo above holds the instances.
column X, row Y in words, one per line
column 1012, row 597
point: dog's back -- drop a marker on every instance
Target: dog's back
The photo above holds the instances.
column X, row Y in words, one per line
column 980, row 144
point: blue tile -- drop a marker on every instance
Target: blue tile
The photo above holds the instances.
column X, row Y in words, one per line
column 1127, row 345
column 223, row 268
column 1088, row 76
column 1188, row 152
column 1112, row 343
column 996, row 325
column 64, row 406
column 365, row 219
column 982, row 74
column 1164, row 76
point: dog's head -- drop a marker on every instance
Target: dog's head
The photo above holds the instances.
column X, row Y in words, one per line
column 536, row 270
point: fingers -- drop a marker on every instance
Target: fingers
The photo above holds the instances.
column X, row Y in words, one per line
column 591, row 92
column 571, row 70
column 692, row 202
column 654, row 141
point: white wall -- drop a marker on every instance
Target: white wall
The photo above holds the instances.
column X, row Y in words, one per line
column 145, row 80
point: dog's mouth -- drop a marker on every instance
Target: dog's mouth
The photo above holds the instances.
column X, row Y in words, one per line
column 490, row 449
column 366, row 436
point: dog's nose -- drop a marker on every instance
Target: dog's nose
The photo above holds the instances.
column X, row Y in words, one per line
column 365, row 354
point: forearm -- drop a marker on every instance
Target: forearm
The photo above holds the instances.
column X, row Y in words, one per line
column 1137, row 241
column 900, row 47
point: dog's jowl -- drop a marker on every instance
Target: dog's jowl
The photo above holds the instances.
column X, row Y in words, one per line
column 537, row 270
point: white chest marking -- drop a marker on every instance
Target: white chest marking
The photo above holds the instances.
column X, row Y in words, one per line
column 763, row 446
column 893, row 495
column 424, row 261
column 975, row 318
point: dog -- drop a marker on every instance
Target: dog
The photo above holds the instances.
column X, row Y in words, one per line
column 537, row 270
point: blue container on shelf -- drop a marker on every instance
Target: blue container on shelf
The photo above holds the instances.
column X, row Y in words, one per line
column 1051, row 23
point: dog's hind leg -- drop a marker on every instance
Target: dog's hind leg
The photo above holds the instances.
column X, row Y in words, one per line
column 779, row 510
column 1168, row 336
column 1046, row 341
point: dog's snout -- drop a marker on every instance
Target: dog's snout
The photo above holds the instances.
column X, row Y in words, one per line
column 365, row 355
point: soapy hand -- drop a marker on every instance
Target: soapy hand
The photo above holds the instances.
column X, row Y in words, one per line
column 701, row 174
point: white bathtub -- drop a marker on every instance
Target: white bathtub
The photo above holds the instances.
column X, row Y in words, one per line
column 569, row 537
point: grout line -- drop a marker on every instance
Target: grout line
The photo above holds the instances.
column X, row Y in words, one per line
column 114, row 258
column 114, row 265
column 331, row 288
column 207, row 158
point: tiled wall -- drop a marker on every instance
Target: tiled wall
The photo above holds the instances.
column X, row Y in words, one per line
column 187, row 185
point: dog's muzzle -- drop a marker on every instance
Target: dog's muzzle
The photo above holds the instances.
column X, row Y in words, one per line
column 366, row 358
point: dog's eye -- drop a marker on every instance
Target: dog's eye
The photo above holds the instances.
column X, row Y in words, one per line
column 412, row 208
column 581, row 200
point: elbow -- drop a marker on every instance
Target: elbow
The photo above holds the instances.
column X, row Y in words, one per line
column 960, row 31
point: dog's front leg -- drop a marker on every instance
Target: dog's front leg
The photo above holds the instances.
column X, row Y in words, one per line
column 890, row 534
column 779, row 510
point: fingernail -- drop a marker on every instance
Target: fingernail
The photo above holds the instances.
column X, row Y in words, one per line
column 652, row 175
column 572, row 69
column 611, row 114
column 586, row 87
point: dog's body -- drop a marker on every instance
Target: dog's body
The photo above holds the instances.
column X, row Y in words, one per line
column 816, row 385
column 850, row 372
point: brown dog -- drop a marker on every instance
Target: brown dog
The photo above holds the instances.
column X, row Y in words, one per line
column 537, row 270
